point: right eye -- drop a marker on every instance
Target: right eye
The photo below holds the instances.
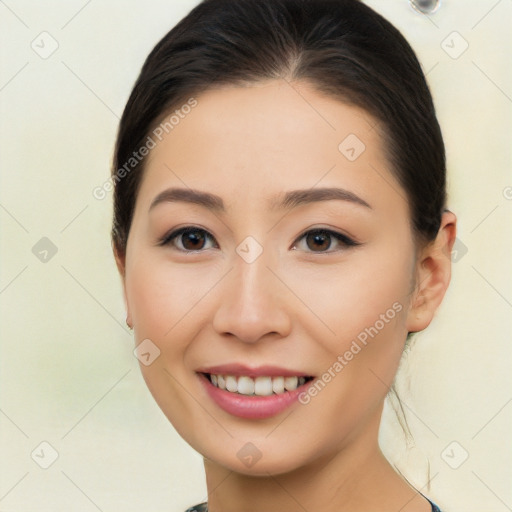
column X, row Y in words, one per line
column 188, row 239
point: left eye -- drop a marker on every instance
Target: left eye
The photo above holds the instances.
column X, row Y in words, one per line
column 321, row 240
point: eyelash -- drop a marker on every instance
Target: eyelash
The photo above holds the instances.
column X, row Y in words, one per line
column 343, row 239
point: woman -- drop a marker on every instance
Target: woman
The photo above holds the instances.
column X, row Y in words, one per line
column 280, row 228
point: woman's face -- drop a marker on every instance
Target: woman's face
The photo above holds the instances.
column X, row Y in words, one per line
column 301, row 265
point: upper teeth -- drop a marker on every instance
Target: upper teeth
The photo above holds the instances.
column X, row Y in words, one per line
column 261, row 386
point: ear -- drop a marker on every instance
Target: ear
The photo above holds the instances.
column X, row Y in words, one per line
column 433, row 273
column 120, row 258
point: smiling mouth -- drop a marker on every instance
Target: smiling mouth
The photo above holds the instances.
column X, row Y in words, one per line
column 258, row 386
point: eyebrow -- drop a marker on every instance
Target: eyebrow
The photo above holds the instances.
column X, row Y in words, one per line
column 285, row 200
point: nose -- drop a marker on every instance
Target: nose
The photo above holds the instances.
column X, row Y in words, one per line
column 252, row 302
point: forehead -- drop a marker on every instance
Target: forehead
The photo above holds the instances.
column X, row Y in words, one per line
column 249, row 143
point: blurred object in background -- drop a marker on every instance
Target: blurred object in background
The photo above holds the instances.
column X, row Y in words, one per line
column 425, row 6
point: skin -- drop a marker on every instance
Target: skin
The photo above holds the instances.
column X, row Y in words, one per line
column 296, row 306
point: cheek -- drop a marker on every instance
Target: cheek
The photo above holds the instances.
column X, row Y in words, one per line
column 159, row 295
column 347, row 300
column 163, row 300
column 151, row 300
column 170, row 303
column 365, row 308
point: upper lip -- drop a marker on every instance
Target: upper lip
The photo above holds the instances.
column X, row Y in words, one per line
column 238, row 370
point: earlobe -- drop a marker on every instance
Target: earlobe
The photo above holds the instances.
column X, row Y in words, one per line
column 433, row 273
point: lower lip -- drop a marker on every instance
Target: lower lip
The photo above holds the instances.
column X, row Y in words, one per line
column 251, row 406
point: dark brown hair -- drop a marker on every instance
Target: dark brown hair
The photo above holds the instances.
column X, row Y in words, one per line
column 342, row 47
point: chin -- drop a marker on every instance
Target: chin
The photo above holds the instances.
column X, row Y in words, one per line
column 258, row 459
column 261, row 467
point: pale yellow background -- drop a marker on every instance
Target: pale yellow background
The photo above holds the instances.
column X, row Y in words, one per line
column 68, row 374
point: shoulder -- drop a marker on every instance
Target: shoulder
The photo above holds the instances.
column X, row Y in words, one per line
column 202, row 507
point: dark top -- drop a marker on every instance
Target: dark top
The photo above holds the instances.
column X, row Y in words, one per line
column 203, row 507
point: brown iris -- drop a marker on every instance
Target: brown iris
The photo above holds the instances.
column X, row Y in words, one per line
column 320, row 240
column 193, row 240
